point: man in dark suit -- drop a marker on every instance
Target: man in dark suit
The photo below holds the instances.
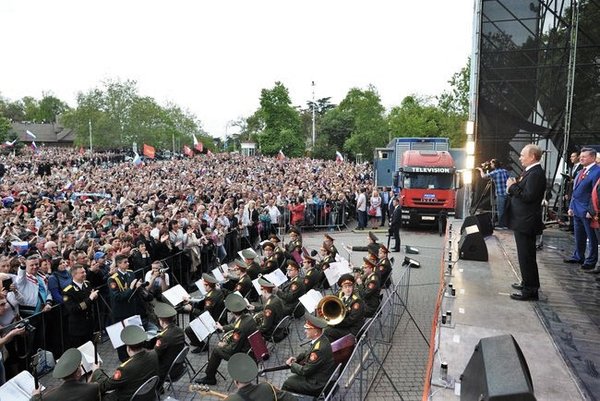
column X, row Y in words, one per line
column 579, row 210
column 395, row 223
column 524, row 211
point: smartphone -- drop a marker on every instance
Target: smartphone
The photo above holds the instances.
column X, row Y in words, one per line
column 7, row 283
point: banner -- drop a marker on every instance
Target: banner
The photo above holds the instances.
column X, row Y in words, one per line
column 149, row 151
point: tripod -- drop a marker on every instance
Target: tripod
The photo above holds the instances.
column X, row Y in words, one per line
column 488, row 190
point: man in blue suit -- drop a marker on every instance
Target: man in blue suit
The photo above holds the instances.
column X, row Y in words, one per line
column 579, row 208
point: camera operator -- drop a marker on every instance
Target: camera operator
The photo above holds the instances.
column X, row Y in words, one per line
column 158, row 279
column 493, row 170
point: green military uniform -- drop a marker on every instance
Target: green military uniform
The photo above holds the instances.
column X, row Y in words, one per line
column 272, row 314
column 270, row 265
column 369, row 292
column 239, row 331
column 214, row 304
column 384, row 270
column 243, row 370
column 312, row 279
column 120, row 292
column 355, row 313
column 169, row 342
column 245, row 287
column 71, row 389
column 295, row 245
column 253, row 270
column 312, row 369
column 291, row 295
column 132, row 373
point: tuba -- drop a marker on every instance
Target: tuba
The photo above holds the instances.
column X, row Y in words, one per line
column 332, row 309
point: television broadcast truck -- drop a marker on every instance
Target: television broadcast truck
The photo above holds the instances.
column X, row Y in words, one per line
column 423, row 175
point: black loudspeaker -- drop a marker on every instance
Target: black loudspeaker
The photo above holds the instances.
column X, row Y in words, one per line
column 483, row 222
column 472, row 246
column 497, row 371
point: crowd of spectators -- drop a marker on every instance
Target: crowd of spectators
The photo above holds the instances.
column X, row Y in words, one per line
column 70, row 209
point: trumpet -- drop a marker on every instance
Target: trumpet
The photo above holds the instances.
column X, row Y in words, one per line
column 227, row 337
column 258, row 318
column 332, row 309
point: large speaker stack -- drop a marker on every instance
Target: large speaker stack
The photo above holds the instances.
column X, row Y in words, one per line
column 497, row 371
column 472, row 245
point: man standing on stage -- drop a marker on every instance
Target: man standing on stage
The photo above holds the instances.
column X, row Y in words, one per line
column 524, row 213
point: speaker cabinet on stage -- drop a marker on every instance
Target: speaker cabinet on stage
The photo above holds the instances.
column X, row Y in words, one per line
column 483, row 221
column 497, row 371
column 471, row 245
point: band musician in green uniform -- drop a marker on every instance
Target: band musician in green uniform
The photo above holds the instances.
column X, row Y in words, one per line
column 311, row 369
column 132, row 373
column 169, row 342
column 68, row 368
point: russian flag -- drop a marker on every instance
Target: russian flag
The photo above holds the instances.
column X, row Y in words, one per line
column 34, row 146
column 31, row 134
column 338, row 157
column 10, row 144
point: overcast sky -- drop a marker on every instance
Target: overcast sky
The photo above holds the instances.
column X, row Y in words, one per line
column 214, row 57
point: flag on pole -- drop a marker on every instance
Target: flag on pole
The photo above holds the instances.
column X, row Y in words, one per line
column 280, row 155
column 10, row 144
column 137, row 160
column 199, row 146
column 149, row 151
column 34, row 147
column 187, row 151
column 31, row 134
column 338, row 157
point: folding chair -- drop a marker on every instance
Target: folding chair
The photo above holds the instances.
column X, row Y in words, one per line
column 283, row 325
column 330, row 383
column 259, row 348
column 297, row 319
column 142, row 392
column 180, row 359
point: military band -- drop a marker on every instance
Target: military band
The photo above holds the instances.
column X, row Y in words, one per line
column 355, row 310
column 293, row 290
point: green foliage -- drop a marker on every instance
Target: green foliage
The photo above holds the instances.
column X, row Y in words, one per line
column 369, row 129
column 278, row 123
column 335, row 128
column 4, row 128
column 417, row 117
column 457, row 100
column 119, row 116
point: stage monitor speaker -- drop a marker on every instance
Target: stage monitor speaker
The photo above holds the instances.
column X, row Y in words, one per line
column 471, row 245
column 497, row 371
column 483, row 222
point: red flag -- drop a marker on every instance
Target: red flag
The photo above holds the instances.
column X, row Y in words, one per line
column 149, row 151
column 187, row 151
column 280, row 155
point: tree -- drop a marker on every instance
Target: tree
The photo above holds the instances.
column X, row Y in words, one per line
column 281, row 122
column 369, row 130
column 5, row 127
column 457, row 100
column 49, row 108
column 335, row 128
column 418, row 117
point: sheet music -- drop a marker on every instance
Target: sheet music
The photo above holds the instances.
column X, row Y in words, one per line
column 310, row 300
column 276, row 277
column 240, row 294
column 203, row 325
column 87, row 356
column 200, row 285
column 19, row 388
column 335, row 270
column 175, row 295
column 218, row 275
column 256, row 285
column 114, row 330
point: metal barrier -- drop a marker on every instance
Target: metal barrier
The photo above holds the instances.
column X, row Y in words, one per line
column 333, row 217
column 366, row 365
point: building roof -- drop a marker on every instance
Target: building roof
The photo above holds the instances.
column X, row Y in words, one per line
column 45, row 133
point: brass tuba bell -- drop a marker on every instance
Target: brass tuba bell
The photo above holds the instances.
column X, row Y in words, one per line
column 332, row 309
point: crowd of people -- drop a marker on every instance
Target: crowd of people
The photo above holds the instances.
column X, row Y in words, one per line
column 88, row 232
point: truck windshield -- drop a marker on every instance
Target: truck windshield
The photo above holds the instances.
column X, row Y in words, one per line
column 428, row 181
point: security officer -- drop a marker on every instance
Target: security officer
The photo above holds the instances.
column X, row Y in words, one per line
column 311, row 369
column 312, row 276
column 271, row 313
column 79, row 299
column 291, row 293
column 355, row 310
column 270, row 263
column 235, row 340
column 384, row 267
column 368, row 287
column 131, row 374
column 124, row 302
column 253, row 267
column 169, row 342
column 68, row 368
column 213, row 303
column 243, row 371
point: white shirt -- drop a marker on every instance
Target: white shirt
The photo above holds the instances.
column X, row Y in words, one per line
column 28, row 287
column 274, row 213
column 361, row 202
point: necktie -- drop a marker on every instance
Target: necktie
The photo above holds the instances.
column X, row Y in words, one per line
column 581, row 175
